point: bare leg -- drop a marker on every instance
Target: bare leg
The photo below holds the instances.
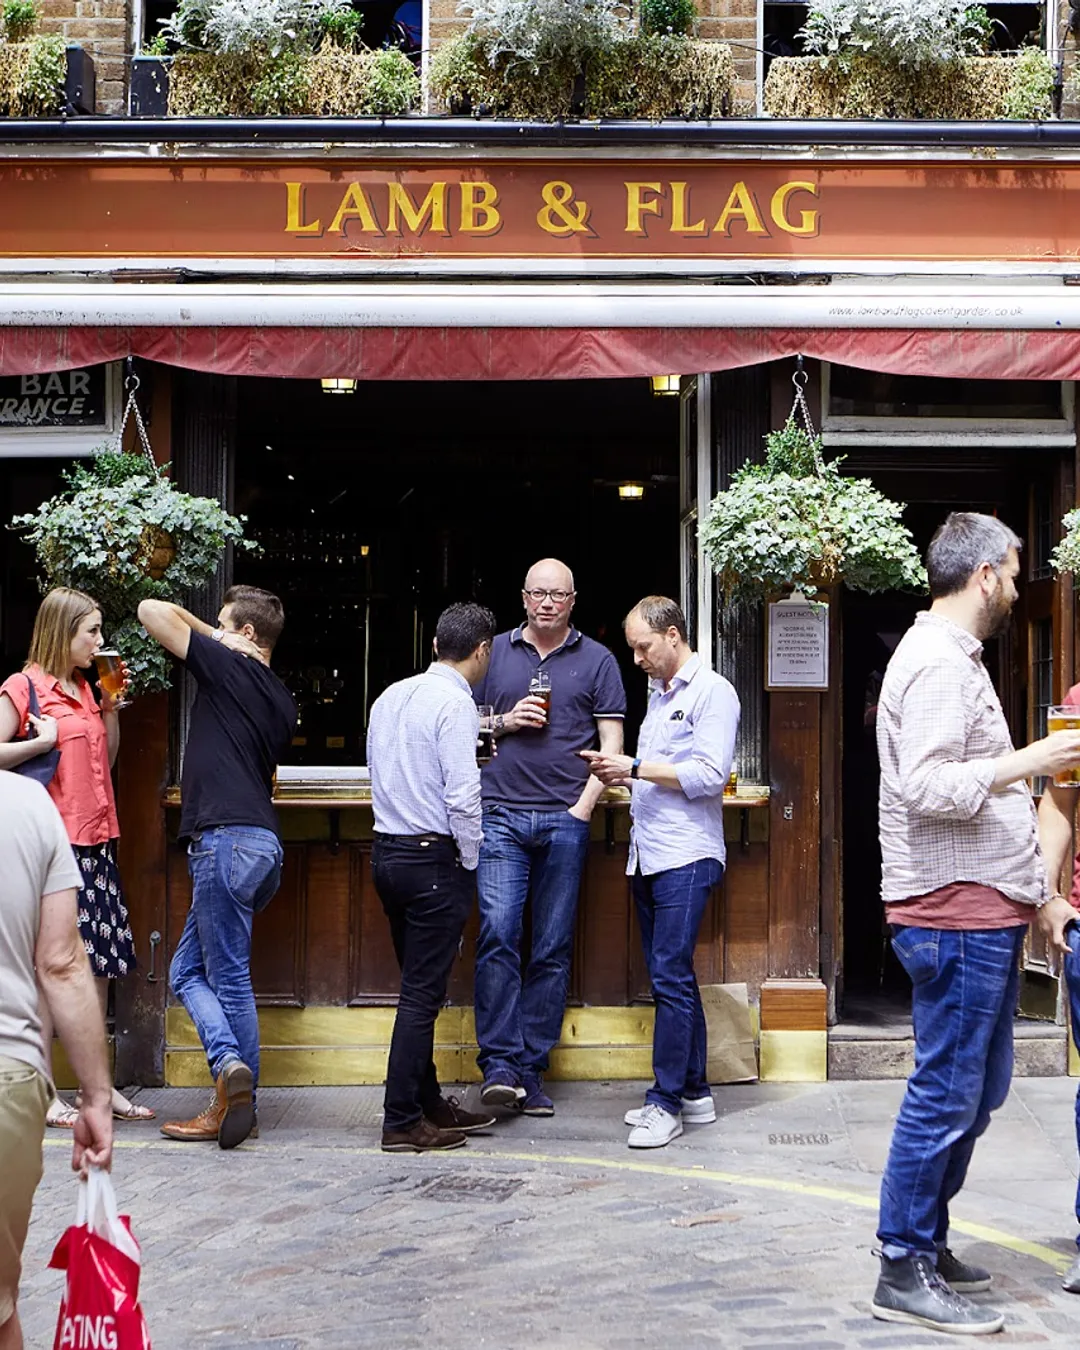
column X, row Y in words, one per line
column 11, row 1337
column 59, row 1112
column 120, row 1104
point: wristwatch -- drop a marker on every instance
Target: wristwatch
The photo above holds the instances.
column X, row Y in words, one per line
column 634, row 768
column 498, row 722
column 218, row 635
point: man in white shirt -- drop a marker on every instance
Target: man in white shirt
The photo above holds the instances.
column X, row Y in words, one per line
column 40, row 946
column 677, row 780
column 425, row 792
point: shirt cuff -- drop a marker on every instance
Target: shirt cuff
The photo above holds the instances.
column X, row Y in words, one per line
column 692, row 778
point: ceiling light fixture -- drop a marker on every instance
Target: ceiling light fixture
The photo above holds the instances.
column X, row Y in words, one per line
column 338, row 386
column 631, row 492
column 664, row 384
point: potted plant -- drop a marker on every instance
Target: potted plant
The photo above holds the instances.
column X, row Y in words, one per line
column 906, row 59
column 796, row 522
column 271, row 58
column 1066, row 556
column 553, row 59
column 41, row 75
column 123, row 532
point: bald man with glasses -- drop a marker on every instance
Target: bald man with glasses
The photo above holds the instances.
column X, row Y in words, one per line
column 538, row 800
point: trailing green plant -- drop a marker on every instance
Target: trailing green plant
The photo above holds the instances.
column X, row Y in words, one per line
column 1030, row 95
column 342, row 27
column 158, row 45
column 19, row 19
column 667, row 17
column 104, row 532
column 795, row 521
column 1066, row 556
column 32, row 75
column 904, row 33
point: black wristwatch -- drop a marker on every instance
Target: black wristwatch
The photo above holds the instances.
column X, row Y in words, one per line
column 634, row 768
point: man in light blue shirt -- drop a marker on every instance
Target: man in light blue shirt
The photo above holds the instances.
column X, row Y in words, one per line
column 425, row 792
column 677, row 781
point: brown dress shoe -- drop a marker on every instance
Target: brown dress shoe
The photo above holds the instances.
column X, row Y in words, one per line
column 236, row 1083
column 449, row 1115
column 203, row 1127
column 423, row 1137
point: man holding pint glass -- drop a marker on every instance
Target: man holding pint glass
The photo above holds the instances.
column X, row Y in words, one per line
column 553, row 692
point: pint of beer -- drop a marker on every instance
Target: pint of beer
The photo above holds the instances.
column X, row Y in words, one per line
column 111, row 674
column 1064, row 719
column 540, row 687
column 485, row 737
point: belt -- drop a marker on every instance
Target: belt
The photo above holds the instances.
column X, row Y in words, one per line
column 414, row 838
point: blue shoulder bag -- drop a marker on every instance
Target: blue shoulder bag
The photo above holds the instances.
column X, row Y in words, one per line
column 40, row 767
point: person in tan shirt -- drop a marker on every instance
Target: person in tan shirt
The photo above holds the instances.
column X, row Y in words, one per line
column 41, row 954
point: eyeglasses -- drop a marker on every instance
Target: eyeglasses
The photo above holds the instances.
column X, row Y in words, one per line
column 557, row 597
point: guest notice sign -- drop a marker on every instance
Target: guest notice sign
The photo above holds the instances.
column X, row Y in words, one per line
column 798, row 644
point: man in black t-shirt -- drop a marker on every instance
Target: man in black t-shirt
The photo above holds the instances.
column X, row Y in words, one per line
column 242, row 719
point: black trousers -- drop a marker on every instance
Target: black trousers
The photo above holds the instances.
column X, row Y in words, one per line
column 426, row 895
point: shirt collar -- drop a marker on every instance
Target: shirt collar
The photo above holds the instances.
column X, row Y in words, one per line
column 517, row 638
column 683, row 675
column 968, row 643
column 446, row 672
column 53, row 682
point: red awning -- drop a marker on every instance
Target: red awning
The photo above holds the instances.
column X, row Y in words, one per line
column 448, row 353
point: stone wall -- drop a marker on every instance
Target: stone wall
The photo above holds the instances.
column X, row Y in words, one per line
column 103, row 27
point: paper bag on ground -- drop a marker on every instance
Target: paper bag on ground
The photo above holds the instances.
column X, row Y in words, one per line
column 732, row 1057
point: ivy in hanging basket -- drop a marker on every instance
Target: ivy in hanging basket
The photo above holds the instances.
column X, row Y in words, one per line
column 1066, row 556
column 122, row 531
column 794, row 521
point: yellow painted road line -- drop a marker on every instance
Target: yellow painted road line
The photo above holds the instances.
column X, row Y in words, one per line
column 817, row 1190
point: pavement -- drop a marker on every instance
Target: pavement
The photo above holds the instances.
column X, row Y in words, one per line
column 754, row 1232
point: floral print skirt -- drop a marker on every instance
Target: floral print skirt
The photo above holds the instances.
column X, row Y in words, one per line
column 103, row 918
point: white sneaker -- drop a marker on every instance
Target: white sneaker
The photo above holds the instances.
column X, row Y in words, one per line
column 695, row 1111
column 656, row 1128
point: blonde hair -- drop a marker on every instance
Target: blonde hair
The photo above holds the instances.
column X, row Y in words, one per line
column 57, row 622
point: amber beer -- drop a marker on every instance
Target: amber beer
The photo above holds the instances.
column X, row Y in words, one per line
column 540, row 687
column 1064, row 719
column 110, row 672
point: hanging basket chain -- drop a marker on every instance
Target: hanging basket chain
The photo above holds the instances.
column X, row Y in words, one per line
column 131, row 384
column 800, row 409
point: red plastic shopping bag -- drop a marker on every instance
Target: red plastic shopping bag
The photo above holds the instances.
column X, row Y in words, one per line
column 100, row 1308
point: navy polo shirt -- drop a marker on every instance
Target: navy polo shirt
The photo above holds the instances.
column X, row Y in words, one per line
column 542, row 770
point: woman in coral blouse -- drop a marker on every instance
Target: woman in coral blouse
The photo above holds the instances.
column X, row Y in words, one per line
column 67, row 633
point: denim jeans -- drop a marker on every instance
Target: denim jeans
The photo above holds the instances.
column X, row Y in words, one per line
column 669, row 907
column 519, row 1019
column 235, row 872
column 965, row 987
column 1072, row 983
column 426, row 895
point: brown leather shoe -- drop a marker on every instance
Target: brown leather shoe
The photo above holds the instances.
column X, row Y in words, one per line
column 449, row 1115
column 423, row 1137
column 202, row 1128
column 236, row 1084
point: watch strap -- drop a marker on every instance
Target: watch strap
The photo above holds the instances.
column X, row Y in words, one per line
column 634, row 768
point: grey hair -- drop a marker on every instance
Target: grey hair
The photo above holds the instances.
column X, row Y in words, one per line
column 962, row 545
column 659, row 613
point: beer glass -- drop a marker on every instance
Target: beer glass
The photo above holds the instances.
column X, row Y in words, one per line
column 1064, row 719
column 485, row 739
column 540, row 687
column 111, row 675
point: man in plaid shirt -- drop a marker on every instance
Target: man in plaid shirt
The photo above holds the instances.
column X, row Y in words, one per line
column 962, row 877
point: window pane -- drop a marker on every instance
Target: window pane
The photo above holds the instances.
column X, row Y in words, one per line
column 865, row 393
column 1042, row 533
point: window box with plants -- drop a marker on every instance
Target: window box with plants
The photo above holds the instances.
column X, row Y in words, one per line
column 548, row 60
column 286, row 58
column 907, row 59
column 41, row 75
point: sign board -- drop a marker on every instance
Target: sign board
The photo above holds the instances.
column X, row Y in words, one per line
column 58, row 413
column 573, row 209
column 798, row 645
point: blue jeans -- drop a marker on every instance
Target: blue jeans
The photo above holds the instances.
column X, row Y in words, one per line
column 518, row 1020
column 669, row 907
column 1072, row 983
column 235, row 872
column 965, row 987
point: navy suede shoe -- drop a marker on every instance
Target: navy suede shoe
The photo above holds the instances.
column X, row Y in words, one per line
column 502, row 1088
column 536, row 1101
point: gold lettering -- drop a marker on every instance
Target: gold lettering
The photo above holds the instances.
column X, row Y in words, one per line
column 416, row 217
column 637, row 205
column 808, row 220
column 561, row 214
column 355, row 206
column 479, row 213
column 680, row 204
column 740, row 204
column 294, row 212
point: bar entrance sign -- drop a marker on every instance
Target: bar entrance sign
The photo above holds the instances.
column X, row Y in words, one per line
column 798, row 644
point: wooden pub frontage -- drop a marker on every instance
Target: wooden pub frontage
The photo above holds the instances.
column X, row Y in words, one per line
column 416, row 363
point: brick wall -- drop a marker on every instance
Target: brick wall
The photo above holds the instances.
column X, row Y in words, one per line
column 103, row 28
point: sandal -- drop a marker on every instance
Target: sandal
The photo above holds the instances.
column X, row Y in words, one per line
column 130, row 1110
column 60, row 1115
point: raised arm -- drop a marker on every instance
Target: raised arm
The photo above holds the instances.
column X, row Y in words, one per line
column 171, row 625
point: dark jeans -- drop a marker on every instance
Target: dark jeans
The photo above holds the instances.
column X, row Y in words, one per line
column 519, row 1020
column 669, row 907
column 963, row 1000
column 426, row 895
column 235, row 872
column 1072, row 983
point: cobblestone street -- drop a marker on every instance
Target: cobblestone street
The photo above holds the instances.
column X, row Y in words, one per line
column 753, row 1232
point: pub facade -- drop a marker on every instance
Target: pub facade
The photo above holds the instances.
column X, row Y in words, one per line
column 416, row 358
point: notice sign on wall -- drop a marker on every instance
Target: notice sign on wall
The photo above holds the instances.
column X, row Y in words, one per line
column 798, row 641
column 64, row 398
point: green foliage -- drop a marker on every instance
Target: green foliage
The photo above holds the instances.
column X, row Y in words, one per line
column 250, row 27
column 157, row 46
column 1066, row 557
column 342, row 27
column 32, row 75
column 670, row 17
column 1030, row 95
column 545, row 34
column 794, row 521
column 19, row 19
column 104, row 531
column 902, row 33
